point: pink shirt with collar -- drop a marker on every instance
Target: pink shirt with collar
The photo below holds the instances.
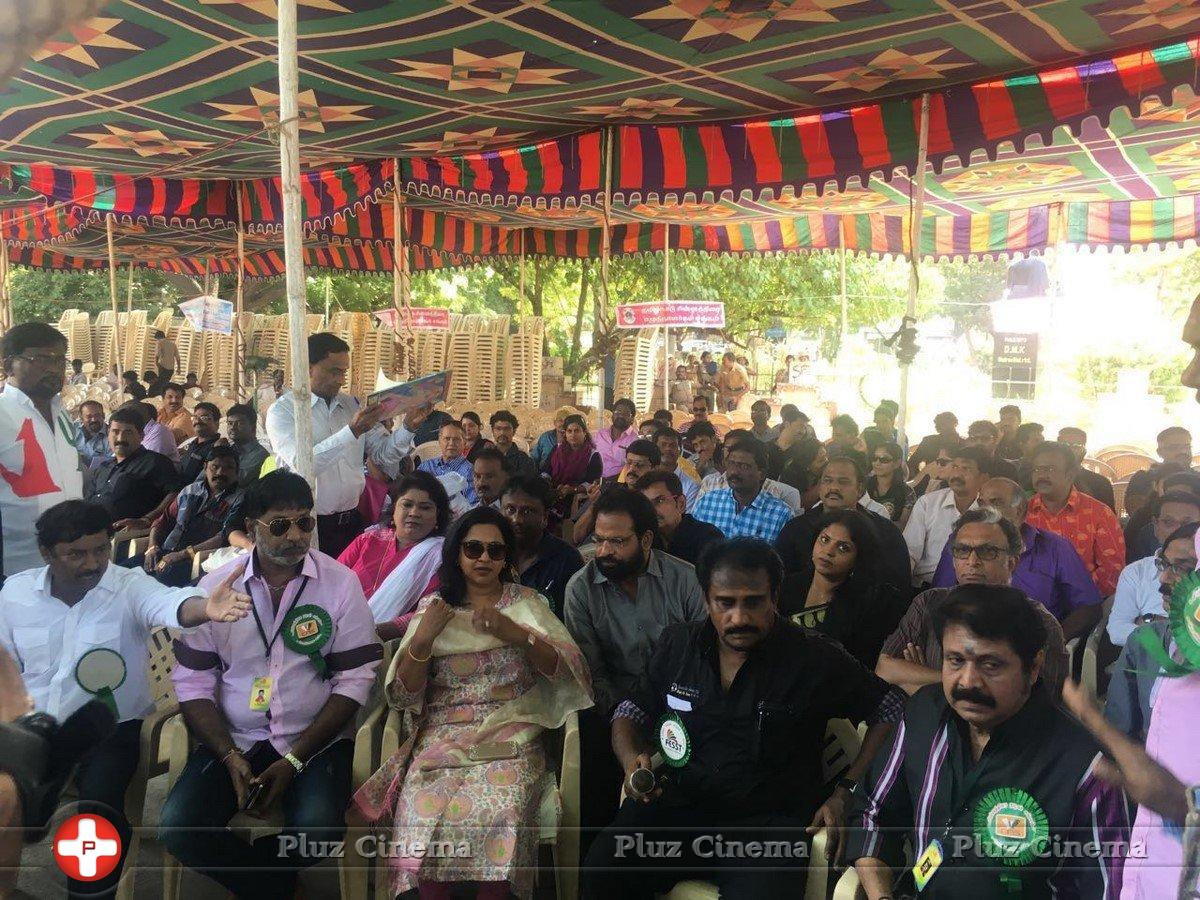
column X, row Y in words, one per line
column 219, row 661
column 612, row 452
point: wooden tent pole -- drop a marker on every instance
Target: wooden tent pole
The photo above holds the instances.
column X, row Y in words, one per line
column 601, row 305
column 666, row 332
column 402, row 278
column 112, row 291
column 917, row 181
column 6, row 313
column 521, row 289
column 845, row 328
column 239, row 338
column 293, row 248
column 129, row 287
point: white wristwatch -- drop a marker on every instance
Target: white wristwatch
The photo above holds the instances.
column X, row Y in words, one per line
column 295, row 761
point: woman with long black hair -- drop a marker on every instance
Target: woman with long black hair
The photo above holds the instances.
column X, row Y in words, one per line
column 840, row 593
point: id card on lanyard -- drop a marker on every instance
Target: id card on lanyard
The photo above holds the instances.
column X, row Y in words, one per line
column 262, row 686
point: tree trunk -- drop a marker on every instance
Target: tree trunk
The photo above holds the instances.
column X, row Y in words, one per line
column 580, row 306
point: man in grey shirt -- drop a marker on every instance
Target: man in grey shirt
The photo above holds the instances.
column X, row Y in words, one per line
column 616, row 607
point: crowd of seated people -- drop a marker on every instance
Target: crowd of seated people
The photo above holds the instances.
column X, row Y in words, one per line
column 705, row 599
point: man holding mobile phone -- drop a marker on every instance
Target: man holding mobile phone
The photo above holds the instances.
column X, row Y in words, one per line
column 271, row 700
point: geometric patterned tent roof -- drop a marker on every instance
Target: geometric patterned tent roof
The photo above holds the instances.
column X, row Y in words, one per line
column 191, row 83
column 759, row 126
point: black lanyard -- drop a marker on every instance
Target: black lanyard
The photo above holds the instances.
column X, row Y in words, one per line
column 262, row 632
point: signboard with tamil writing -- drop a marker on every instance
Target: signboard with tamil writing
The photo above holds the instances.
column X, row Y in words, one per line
column 416, row 318
column 672, row 314
column 209, row 314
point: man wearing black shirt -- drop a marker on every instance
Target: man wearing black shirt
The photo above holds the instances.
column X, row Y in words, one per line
column 841, row 486
column 682, row 535
column 1010, row 421
column 504, row 429
column 136, row 484
column 985, row 434
column 206, row 418
column 989, row 779
column 544, row 562
column 1091, row 483
column 946, row 426
column 746, row 697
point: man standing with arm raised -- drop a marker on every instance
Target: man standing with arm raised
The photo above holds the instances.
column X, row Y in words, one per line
column 343, row 432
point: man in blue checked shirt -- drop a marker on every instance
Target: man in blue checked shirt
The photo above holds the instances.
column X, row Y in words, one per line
column 450, row 440
column 743, row 509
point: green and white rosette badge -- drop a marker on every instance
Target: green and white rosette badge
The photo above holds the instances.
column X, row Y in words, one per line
column 674, row 742
column 1183, row 616
column 306, row 630
column 101, row 671
column 1011, row 826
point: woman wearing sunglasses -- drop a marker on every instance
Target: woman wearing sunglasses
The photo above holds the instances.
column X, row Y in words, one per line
column 484, row 669
column 397, row 560
column 841, row 592
column 886, row 484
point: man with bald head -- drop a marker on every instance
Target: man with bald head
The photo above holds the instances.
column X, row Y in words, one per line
column 1049, row 570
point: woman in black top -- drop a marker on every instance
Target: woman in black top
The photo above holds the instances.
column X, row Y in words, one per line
column 840, row 593
column 886, row 484
column 805, row 459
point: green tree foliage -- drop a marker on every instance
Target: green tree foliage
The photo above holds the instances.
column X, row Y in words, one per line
column 42, row 296
column 1097, row 374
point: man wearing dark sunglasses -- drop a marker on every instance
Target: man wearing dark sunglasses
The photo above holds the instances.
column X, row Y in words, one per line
column 271, row 700
column 41, row 465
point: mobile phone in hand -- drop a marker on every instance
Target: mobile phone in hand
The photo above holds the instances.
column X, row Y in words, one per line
column 252, row 795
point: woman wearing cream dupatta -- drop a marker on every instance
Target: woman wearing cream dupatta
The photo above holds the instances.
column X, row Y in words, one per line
column 484, row 668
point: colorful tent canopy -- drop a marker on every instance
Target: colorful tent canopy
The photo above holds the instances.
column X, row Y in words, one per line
column 490, row 113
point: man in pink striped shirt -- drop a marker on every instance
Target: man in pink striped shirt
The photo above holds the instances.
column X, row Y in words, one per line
column 272, row 702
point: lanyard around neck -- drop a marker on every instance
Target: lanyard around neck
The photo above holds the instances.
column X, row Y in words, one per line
column 262, row 632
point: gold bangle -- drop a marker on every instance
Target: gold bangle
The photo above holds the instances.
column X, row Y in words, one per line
column 416, row 658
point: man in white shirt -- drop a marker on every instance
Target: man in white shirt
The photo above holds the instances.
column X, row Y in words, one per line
column 935, row 513
column 1138, row 600
column 39, row 463
column 53, row 615
column 343, row 432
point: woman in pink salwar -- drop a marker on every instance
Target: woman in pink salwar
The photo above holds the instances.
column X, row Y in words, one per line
column 484, row 669
column 397, row 561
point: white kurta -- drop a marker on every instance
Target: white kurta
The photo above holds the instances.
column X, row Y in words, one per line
column 39, row 468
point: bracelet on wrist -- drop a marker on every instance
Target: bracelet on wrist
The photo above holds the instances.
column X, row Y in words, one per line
column 228, row 753
column 420, row 659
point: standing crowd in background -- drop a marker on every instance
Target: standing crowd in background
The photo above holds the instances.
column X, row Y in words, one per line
column 715, row 597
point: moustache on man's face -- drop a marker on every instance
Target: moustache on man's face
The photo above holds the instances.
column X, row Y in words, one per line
column 969, row 695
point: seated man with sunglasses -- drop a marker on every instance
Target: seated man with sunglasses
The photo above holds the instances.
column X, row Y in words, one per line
column 271, row 701
column 985, row 547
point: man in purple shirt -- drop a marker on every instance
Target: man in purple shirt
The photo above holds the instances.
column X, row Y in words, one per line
column 271, row 701
column 612, row 442
column 156, row 436
column 1049, row 571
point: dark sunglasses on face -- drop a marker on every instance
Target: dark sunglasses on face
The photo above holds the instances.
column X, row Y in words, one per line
column 475, row 549
column 282, row 525
column 883, row 459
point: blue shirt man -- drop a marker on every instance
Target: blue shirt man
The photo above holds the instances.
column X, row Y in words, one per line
column 743, row 509
column 450, row 440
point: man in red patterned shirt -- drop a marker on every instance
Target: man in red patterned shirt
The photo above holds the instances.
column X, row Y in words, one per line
column 1090, row 526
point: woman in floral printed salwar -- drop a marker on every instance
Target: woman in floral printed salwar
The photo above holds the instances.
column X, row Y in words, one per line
column 483, row 671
